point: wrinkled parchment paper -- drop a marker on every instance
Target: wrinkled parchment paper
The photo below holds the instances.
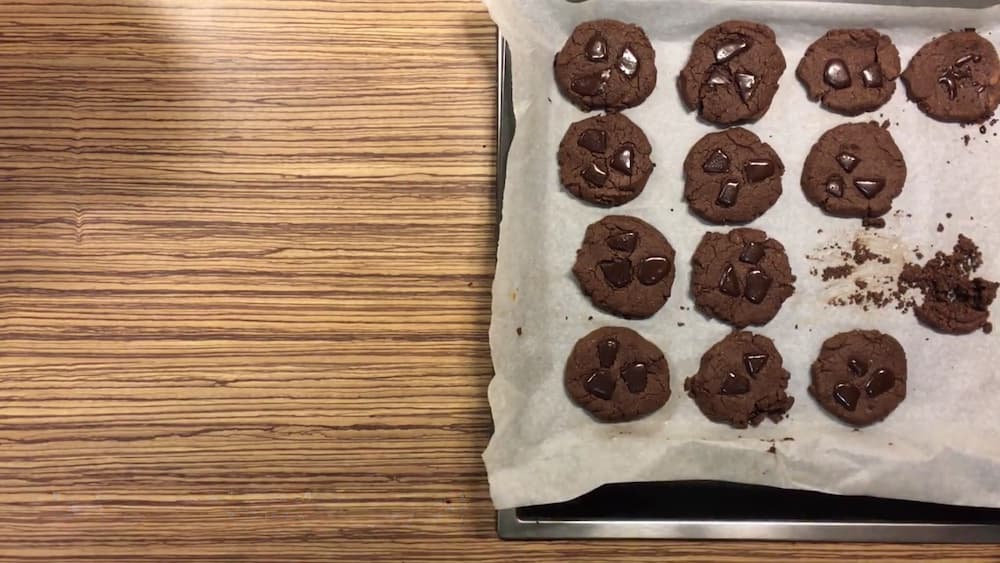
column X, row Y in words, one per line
column 942, row 444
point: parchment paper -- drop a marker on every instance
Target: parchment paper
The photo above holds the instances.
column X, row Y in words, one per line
column 942, row 444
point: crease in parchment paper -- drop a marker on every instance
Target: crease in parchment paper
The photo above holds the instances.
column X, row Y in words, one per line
column 940, row 445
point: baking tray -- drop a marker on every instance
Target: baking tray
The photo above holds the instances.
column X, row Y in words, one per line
column 719, row 510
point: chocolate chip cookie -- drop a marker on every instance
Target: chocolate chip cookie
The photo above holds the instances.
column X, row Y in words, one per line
column 732, row 177
column 860, row 376
column 850, row 71
column 625, row 266
column 605, row 160
column 606, row 64
column 741, row 381
column 733, row 72
column 854, row 170
column 617, row 375
column 741, row 277
column 955, row 77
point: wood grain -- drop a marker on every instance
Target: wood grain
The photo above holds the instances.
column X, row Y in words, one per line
column 245, row 258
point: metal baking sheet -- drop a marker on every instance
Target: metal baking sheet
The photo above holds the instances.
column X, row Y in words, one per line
column 718, row 510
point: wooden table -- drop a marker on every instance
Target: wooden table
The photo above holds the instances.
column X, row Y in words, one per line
column 245, row 258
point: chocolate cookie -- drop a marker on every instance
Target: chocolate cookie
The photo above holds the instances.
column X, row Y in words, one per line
column 850, row 71
column 955, row 77
column 606, row 64
column 733, row 72
column 859, row 376
column 617, row 375
column 605, row 160
column 741, row 277
column 625, row 266
column 854, row 170
column 954, row 301
column 741, row 381
column 732, row 177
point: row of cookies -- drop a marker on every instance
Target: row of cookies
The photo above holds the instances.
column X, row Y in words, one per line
column 617, row 375
column 733, row 72
column 731, row 176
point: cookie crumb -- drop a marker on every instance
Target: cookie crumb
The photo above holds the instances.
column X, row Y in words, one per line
column 873, row 223
column 967, row 139
column 988, row 328
column 885, row 124
column 590, row 318
column 788, row 439
column 680, row 324
column 819, row 231
column 837, row 272
column 772, row 449
column 948, row 215
column 940, row 228
column 519, row 331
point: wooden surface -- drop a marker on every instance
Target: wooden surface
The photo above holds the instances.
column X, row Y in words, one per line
column 245, row 259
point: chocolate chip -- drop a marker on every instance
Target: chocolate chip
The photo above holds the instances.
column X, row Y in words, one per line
column 857, row 367
column 835, row 186
column 754, row 362
column 758, row 284
column 729, row 284
column 718, row 77
column 746, row 83
column 635, row 377
column 848, row 161
column 752, row 252
column 847, row 395
column 595, row 174
column 870, row 187
column 628, row 64
column 624, row 242
column 652, row 270
column 597, row 48
column 728, row 193
column 716, row 163
column 872, row 76
column 594, row 140
column 592, row 84
column 622, row 161
column 836, row 74
column 617, row 272
column 607, row 351
column 758, row 170
column 600, row 384
column 882, row 381
column 730, row 49
column 735, row 384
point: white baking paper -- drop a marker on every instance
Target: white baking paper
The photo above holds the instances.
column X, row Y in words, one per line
column 942, row 444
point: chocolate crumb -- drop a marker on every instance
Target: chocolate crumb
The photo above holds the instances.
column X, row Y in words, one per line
column 819, row 231
column 982, row 129
column 861, row 284
column 837, row 272
column 772, row 449
column 993, row 121
column 967, row 140
column 988, row 328
column 885, row 124
column 788, row 439
column 940, row 228
column 873, row 222
column 680, row 324
column 519, row 331
column 590, row 318
column 948, row 215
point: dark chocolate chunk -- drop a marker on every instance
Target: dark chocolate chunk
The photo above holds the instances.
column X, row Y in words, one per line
column 635, row 377
column 735, row 384
column 758, row 170
column 847, row 396
column 835, row 186
column 594, row 140
column 652, row 270
column 624, row 242
column 857, row 367
column 628, row 63
column 728, row 193
column 836, row 74
column 754, row 362
column 600, row 384
column 618, row 272
column 591, row 84
column 729, row 284
column 873, row 76
column 757, row 285
column 607, row 351
column 597, row 48
column 717, row 162
column 718, row 77
column 882, row 381
column 848, row 161
column 622, row 160
column 870, row 187
column 746, row 83
column 730, row 49
column 752, row 252
column 595, row 174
